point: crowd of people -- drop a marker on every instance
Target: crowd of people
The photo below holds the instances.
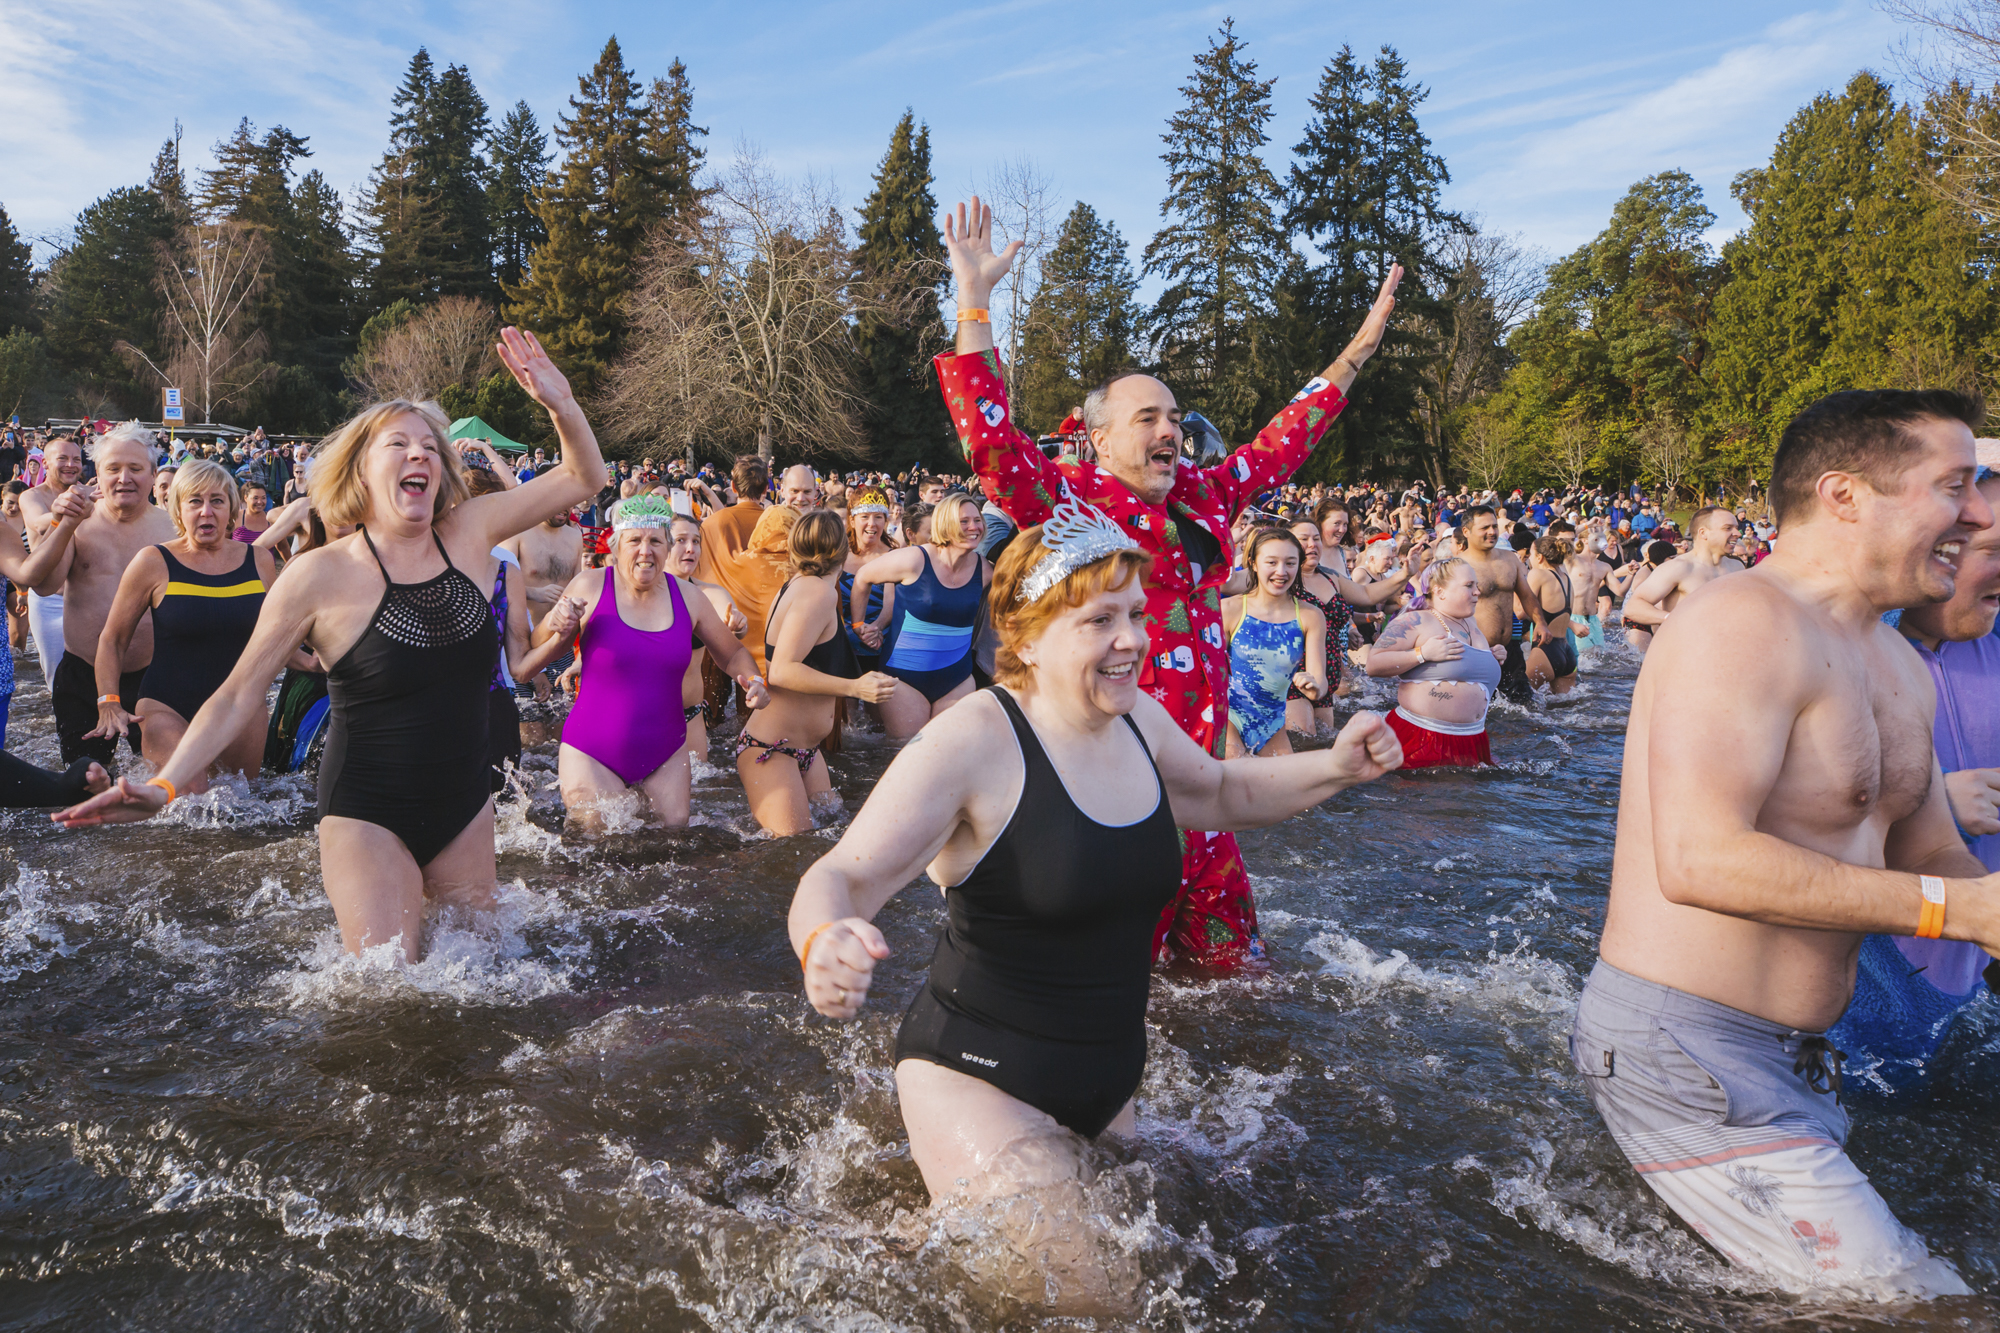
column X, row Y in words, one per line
column 1094, row 652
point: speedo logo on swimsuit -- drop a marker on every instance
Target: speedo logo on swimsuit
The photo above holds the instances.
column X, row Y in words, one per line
column 979, row 1059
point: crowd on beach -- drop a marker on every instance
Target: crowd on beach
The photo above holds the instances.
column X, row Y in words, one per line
column 1100, row 654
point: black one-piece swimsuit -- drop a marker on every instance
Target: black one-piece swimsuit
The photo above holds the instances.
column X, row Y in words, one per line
column 406, row 735
column 1039, row 982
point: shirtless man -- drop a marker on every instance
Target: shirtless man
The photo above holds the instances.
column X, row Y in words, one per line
column 63, row 458
column 1502, row 581
column 1711, row 532
column 91, row 559
column 799, row 488
column 1741, row 889
column 1587, row 572
column 550, row 554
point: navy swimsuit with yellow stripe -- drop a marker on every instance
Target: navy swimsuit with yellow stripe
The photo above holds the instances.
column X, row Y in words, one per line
column 200, row 628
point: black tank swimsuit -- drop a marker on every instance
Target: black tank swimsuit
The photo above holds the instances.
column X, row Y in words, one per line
column 406, row 741
column 1039, row 982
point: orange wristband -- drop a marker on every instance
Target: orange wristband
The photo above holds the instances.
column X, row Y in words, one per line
column 166, row 787
column 1930, row 920
column 977, row 316
column 806, row 952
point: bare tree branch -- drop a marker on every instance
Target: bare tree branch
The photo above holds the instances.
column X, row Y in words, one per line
column 449, row 342
column 1023, row 199
column 209, row 275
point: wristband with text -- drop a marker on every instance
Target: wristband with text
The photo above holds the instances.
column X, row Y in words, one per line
column 108, row 699
column 1930, row 920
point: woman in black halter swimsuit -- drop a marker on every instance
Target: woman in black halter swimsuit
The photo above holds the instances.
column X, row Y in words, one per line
column 1048, row 807
column 404, row 803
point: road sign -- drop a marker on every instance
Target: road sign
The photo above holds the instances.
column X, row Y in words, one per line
column 172, row 411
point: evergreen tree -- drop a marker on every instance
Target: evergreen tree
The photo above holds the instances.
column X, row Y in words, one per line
column 673, row 159
column 1082, row 321
column 17, row 279
column 1221, row 250
column 427, row 213
column 1853, row 271
column 168, row 180
column 519, row 153
column 101, row 291
column 902, row 252
column 596, row 209
column 1364, row 192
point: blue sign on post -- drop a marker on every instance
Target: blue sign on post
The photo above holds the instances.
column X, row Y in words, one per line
column 172, row 410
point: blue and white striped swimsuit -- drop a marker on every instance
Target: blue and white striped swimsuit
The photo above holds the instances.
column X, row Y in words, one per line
column 929, row 643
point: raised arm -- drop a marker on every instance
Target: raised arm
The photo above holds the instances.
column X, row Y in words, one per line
column 1251, row 792
column 1703, row 704
column 286, row 621
column 578, row 477
column 1011, row 468
column 914, row 810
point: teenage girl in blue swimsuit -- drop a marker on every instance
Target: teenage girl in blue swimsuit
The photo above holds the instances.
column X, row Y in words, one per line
column 928, row 648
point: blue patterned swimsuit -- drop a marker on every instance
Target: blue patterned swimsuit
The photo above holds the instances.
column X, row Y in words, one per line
column 1263, row 657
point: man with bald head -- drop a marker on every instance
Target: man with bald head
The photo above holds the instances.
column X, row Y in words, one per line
column 799, row 488
column 1175, row 510
column 91, row 559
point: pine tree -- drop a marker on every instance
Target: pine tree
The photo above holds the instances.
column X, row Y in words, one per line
column 1221, row 250
column 596, row 209
column 101, row 292
column 1364, row 191
column 17, row 279
column 168, row 180
column 1082, row 322
column 396, row 222
column 673, row 159
column 519, row 153
column 427, row 211
column 902, row 252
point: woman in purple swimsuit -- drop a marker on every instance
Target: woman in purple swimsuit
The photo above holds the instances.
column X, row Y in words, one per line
column 626, row 729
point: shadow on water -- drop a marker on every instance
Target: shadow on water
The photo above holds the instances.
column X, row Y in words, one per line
column 614, row 1111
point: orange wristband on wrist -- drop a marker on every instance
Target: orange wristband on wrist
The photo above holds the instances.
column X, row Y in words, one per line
column 976, row 316
column 806, row 952
column 164, row 786
column 1930, row 919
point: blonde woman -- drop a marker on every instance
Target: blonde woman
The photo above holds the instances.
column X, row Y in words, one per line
column 406, row 814
column 204, row 590
column 928, row 647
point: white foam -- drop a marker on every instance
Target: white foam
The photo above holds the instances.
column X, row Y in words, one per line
column 34, row 928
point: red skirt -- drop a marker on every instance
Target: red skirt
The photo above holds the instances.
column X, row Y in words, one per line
column 1424, row 748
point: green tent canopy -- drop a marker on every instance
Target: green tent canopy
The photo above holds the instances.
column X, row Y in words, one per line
column 472, row 428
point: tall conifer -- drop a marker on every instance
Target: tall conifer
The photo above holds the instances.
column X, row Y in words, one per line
column 673, row 158
column 1083, row 320
column 901, row 248
column 1221, row 250
column 17, row 278
column 519, row 153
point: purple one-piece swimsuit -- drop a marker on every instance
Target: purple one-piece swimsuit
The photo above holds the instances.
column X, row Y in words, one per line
column 628, row 712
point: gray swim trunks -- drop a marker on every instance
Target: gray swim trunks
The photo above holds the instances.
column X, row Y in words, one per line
column 1737, row 1125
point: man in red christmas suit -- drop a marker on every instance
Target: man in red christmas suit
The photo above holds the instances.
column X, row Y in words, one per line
column 1178, row 512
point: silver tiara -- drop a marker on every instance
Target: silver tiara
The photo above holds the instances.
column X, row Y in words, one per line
column 1077, row 533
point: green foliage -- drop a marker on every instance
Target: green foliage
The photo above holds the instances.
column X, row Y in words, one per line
column 597, row 209
column 519, row 153
column 101, row 291
column 17, row 279
column 1082, row 322
column 902, row 252
column 25, row 375
column 1364, row 191
column 1221, row 250
column 501, row 403
column 427, row 211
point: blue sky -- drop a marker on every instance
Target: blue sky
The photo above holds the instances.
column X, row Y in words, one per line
column 1544, row 112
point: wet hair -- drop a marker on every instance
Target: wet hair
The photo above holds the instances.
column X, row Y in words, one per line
column 1658, row 553
column 1554, row 548
column 1095, row 417
column 1326, row 509
column 948, row 519
column 817, row 543
column 1864, row 431
column 481, row 481
column 339, row 493
column 1019, row 625
column 749, row 476
column 914, row 515
column 194, row 478
column 1264, row 537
